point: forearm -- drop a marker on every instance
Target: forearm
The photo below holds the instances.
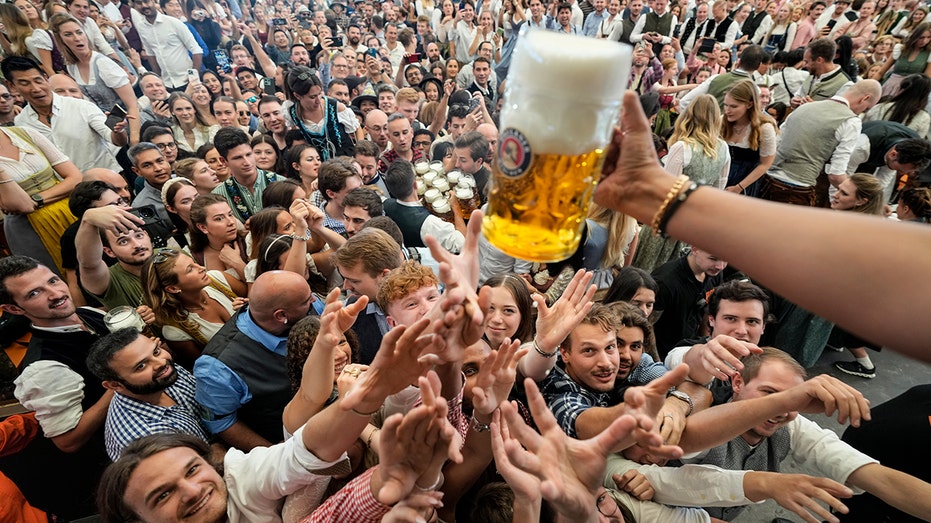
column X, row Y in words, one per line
column 903, row 491
column 722, row 423
column 535, row 365
column 243, row 438
column 596, row 419
column 758, row 172
column 333, row 430
column 91, row 420
column 795, row 229
column 95, row 276
column 459, row 477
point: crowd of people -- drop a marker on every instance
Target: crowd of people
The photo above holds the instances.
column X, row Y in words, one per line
column 285, row 199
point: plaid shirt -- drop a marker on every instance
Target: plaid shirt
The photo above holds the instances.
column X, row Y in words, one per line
column 568, row 398
column 392, row 155
column 129, row 419
column 354, row 502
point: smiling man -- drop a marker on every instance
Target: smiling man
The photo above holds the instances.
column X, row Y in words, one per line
column 243, row 189
column 151, row 394
column 364, row 261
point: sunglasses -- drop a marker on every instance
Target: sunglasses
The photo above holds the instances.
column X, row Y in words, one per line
column 243, row 113
column 162, row 255
column 252, row 100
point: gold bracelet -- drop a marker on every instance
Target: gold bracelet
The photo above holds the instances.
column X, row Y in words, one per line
column 673, row 191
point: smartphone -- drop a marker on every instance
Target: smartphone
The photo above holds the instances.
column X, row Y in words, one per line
column 159, row 230
column 831, row 24
column 461, row 6
column 474, row 102
column 412, row 58
column 279, row 21
column 371, row 51
column 223, row 61
column 117, row 115
column 192, row 75
column 500, row 31
column 336, row 41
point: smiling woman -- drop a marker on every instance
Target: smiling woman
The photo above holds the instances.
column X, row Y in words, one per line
column 190, row 303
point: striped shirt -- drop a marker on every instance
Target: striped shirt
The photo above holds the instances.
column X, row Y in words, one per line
column 129, row 419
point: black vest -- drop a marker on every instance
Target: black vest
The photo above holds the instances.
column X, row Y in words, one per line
column 409, row 219
column 627, row 27
column 686, row 30
column 718, row 31
column 883, row 135
column 265, row 373
column 753, row 23
column 366, row 329
column 71, row 349
column 658, row 24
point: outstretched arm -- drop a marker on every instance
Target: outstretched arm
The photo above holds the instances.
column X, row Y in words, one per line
column 827, row 280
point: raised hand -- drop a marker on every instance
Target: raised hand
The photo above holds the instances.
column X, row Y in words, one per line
column 555, row 323
column 409, row 444
column 569, row 470
column 798, row 493
column 496, row 377
column 719, row 358
column 397, row 364
column 826, row 394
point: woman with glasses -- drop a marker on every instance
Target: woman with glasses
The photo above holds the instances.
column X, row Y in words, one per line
column 189, row 128
column 190, row 303
column 215, row 240
column 103, row 81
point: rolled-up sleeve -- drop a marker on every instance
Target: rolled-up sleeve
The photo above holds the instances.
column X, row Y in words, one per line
column 54, row 392
column 220, row 391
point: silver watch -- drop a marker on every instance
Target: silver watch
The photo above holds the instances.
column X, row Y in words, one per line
column 301, row 238
column 678, row 394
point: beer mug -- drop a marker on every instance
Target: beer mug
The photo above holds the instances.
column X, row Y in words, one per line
column 122, row 317
column 561, row 103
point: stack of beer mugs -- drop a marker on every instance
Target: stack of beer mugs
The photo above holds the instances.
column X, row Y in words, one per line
column 435, row 187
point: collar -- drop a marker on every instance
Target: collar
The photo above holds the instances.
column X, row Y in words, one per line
column 841, row 99
column 70, row 329
column 250, row 328
column 830, row 74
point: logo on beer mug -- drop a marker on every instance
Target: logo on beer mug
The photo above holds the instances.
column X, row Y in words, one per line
column 514, row 154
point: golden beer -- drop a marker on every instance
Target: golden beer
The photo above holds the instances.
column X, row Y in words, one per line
column 561, row 104
column 539, row 216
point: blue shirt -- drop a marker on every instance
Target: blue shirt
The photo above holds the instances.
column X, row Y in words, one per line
column 219, row 389
column 590, row 27
column 568, row 399
column 129, row 419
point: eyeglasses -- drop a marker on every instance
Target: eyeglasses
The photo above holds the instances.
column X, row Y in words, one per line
column 166, row 146
column 163, row 254
column 120, row 202
column 606, row 504
column 340, row 66
column 252, row 100
column 422, row 144
column 243, row 113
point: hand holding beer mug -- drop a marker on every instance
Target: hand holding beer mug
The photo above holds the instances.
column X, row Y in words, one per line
column 562, row 102
column 122, row 317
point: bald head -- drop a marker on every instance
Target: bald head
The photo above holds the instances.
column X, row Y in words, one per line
column 99, row 174
column 64, row 85
column 490, row 132
column 278, row 300
column 376, row 124
column 863, row 95
column 376, row 116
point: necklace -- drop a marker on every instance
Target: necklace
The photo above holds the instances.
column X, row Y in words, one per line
column 202, row 305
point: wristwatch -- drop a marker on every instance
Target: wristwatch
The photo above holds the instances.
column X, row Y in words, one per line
column 678, row 394
column 38, row 200
column 478, row 426
column 302, row 238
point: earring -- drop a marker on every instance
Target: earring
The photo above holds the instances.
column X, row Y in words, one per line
column 285, row 321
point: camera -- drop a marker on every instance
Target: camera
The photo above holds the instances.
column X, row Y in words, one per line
column 159, row 230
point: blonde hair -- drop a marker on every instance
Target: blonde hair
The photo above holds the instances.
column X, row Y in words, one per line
column 407, row 94
column 621, row 230
column 54, row 23
column 699, row 125
column 17, row 29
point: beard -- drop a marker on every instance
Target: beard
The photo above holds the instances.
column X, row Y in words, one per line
column 156, row 385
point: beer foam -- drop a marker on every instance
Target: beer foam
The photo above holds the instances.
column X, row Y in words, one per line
column 564, row 92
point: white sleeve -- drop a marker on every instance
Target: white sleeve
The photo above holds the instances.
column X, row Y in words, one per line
column 897, row 51
column 55, row 392
column 768, row 140
column 257, row 481
column 676, row 356
column 726, row 168
column 348, row 119
column 171, row 333
column 675, row 159
column 820, row 452
column 686, row 100
column 111, row 74
column 763, row 30
column 731, row 35
column 846, row 134
column 41, row 40
column 451, row 239
column 790, row 36
column 636, row 35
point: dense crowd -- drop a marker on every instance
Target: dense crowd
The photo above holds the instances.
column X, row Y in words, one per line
column 247, row 275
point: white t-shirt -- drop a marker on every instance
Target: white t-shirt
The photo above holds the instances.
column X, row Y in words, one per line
column 39, row 39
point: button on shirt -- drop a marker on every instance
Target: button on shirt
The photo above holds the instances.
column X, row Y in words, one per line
column 78, row 128
column 219, row 389
column 171, row 43
column 129, row 419
column 568, row 399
